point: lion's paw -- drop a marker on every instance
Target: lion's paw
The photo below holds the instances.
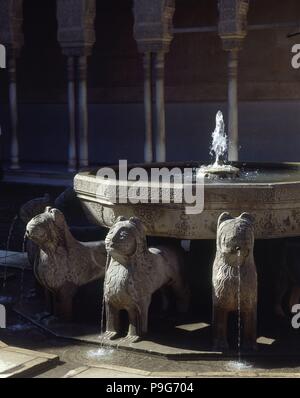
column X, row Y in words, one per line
column 109, row 335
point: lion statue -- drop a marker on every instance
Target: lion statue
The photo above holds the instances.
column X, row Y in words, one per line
column 134, row 273
column 234, row 279
column 27, row 211
column 64, row 263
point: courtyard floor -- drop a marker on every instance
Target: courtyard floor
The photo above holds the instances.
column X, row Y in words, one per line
column 50, row 356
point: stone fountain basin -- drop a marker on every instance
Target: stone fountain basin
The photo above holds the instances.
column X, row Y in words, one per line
column 270, row 192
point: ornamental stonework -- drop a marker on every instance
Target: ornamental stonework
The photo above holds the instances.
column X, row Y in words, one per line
column 76, row 31
column 233, row 22
column 11, row 21
column 153, row 24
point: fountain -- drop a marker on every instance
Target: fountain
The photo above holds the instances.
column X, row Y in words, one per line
column 270, row 192
column 263, row 201
column 219, row 147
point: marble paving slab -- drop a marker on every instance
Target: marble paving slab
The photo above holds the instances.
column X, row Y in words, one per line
column 19, row 363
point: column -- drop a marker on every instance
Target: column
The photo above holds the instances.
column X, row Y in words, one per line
column 13, row 108
column 233, row 30
column 11, row 37
column 83, row 112
column 76, row 35
column 160, row 107
column 153, row 32
column 148, row 149
column 72, row 158
column 233, row 106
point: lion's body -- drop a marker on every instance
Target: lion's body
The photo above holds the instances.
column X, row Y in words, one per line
column 64, row 263
column 135, row 272
column 54, row 271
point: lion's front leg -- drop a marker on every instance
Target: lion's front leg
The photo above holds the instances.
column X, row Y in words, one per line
column 135, row 325
column 112, row 322
column 220, row 316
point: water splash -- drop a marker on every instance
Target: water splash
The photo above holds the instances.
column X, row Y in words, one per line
column 238, row 365
column 219, row 144
column 99, row 353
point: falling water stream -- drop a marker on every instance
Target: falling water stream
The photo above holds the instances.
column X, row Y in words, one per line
column 103, row 304
column 239, row 304
column 240, row 364
column 23, row 270
column 10, row 233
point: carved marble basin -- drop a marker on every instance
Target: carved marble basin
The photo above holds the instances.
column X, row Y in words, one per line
column 270, row 192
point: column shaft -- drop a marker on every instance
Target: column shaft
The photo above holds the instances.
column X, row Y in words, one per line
column 13, row 106
column 148, row 149
column 83, row 112
column 72, row 158
column 160, row 108
column 233, row 105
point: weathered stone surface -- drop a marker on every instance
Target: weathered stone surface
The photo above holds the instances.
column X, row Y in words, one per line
column 76, row 32
column 68, row 203
column 233, row 22
column 64, row 263
column 18, row 362
column 234, row 278
column 275, row 205
column 134, row 273
column 11, row 20
column 153, row 24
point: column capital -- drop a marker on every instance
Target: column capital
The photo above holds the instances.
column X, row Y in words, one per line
column 76, row 31
column 233, row 23
column 153, row 24
column 11, row 23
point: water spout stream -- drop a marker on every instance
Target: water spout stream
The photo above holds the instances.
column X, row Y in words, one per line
column 219, row 146
column 10, row 234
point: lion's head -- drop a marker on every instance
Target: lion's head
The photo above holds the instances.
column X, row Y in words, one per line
column 125, row 239
column 47, row 229
column 235, row 237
